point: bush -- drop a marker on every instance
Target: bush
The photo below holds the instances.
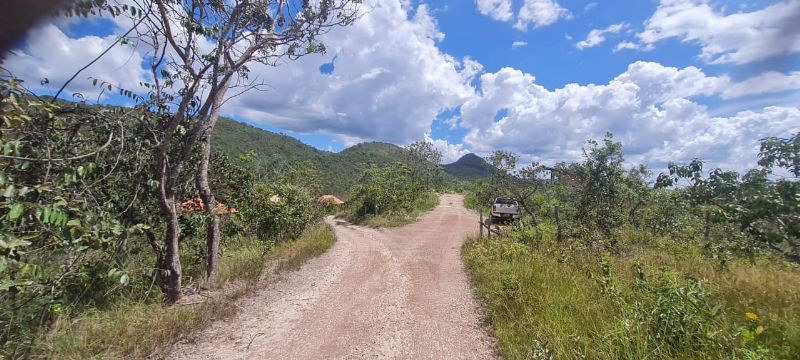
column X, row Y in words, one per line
column 388, row 196
column 279, row 212
column 666, row 311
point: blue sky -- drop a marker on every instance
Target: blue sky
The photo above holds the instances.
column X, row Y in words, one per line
column 672, row 79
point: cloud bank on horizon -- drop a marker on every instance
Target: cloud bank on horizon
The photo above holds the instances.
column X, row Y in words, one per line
column 673, row 81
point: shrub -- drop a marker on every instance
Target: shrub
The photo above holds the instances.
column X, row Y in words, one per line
column 279, row 212
column 666, row 310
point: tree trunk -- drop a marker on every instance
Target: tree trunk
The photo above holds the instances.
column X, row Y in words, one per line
column 170, row 278
column 210, row 202
column 206, row 193
column 524, row 204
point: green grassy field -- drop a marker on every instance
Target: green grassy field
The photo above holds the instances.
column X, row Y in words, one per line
column 647, row 302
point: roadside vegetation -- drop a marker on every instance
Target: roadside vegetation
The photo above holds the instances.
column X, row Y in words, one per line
column 112, row 218
column 396, row 194
column 80, row 266
column 79, row 237
column 609, row 264
column 137, row 328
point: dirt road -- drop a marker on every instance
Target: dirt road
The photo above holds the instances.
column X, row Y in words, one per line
column 378, row 293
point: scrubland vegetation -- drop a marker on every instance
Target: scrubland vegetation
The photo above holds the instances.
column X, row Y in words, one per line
column 81, row 251
column 80, row 255
column 123, row 229
column 609, row 264
column 109, row 215
column 394, row 195
column 137, row 327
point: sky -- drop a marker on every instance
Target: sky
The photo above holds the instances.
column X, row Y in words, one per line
column 673, row 80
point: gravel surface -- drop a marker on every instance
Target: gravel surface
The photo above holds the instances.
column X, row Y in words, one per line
column 377, row 293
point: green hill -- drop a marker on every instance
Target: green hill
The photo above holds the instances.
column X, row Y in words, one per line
column 469, row 167
column 275, row 152
column 339, row 170
column 272, row 150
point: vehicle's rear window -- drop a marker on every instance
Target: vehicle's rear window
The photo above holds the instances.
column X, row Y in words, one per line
column 504, row 201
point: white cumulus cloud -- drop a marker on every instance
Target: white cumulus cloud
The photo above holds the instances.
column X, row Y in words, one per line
column 48, row 53
column 768, row 82
column 739, row 38
column 386, row 85
column 649, row 108
column 450, row 152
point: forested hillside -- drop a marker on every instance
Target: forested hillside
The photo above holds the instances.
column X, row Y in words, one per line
column 469, row 167
column 273, row 150
column 275, row 153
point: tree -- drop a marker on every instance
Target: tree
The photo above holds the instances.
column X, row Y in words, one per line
column 783, row 153
column 280, row 212
column 200, row 50
column 603, row 193
column 713, row 195
column 383, row 189
column 424, row 160
column 303, row 174
column 75, row 186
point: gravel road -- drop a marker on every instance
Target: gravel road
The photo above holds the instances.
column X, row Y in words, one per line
column 377, row 293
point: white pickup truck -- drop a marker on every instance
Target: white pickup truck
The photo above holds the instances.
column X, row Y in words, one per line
column 504, row 209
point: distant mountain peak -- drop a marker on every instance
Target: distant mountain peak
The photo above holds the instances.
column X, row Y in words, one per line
column 469, row 158
column 469, row 167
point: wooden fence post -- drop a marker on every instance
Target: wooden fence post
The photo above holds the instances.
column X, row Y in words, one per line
column 480, row 224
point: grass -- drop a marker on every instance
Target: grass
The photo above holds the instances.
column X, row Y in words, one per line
column 137, row 329
column 541, row 302
column 393, row 219
column 291, row 255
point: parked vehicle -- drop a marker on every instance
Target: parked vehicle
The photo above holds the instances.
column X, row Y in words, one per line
column 504, row 209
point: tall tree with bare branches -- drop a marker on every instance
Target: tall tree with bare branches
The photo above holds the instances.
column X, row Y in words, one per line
column 199, row 51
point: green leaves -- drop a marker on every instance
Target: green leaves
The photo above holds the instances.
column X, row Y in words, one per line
column 16, row 211
column 118, row 276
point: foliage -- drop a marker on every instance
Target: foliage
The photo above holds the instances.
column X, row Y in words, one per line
column 667, row 310
column 78, row 215
column 767, row 210
column 419, row 206
column 603, row 191
column 389, row 196
column 599, row 202
column 73, row 192
column 424, row 160
column 279, row 212
column 708, row 250
column 275, row 153
column 783, row 153
column 303, row 174
column 383, row 189
column 135, row 329
column 540, row 301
